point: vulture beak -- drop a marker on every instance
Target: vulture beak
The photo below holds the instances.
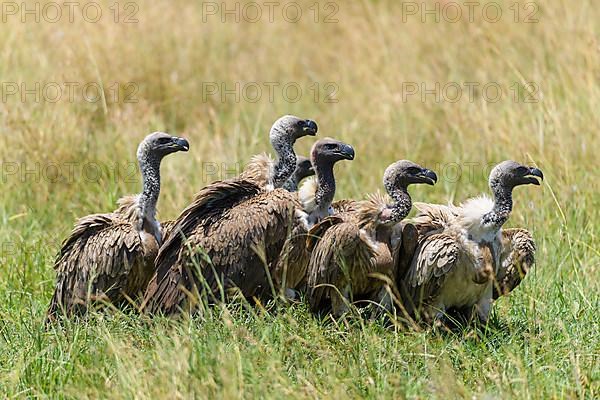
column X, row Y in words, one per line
column 310, row 127
column 347, row 152
column 181, row 144
column 428, row 176
column 532, row 176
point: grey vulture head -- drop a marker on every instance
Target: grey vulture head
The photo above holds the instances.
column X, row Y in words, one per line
column 324, row 154
column 396, row 179
column 403, row 173
column 328, row 151
column 287, row 129
column 509, row 174
column 284, row 133
column 159, row 144
column 150, row 154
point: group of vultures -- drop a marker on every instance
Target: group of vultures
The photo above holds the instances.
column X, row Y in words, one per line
column 264, row 236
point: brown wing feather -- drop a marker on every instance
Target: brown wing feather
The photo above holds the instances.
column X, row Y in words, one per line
column 166, row 227
column 232, row 239
column 96, row 261
column 296, row 254
column 170, row 286
column 339, row 258
column 318, row 230
column 516, row 258
column 432, row 217
column 291, row 265
column 207, row 208
column 436, row 255
column 343, row 206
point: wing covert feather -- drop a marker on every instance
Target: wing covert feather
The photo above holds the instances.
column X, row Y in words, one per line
column 436, row 255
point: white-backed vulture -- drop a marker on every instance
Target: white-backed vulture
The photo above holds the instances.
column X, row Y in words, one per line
column 459, row 249
column 110, row 257
column 516, row 257
column 304, row 169
column 315, row 196
column 352, row 251
column 230, row 227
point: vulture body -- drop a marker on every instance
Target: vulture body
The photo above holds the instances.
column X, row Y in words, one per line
column 352, row 252
column 230, row 228
column 459, row 250
column 110, row 257
column 315, row 198
column 517, row 255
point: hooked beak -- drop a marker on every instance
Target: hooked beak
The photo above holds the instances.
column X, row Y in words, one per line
column 428, row 176
column 181, row 144
column 347, row 152
column 310, row 127
column 532, row 176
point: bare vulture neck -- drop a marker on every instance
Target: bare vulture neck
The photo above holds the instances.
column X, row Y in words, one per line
column 285, row 164
column 291, row 185
column 325, row 187
column 402, row 204
column 150, row 168
column 503, row 204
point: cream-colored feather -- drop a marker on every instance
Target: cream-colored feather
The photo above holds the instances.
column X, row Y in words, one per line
column 306, row 194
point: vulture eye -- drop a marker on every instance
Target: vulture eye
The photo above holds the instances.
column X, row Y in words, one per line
column 414, row 170
column 164, row 140
column 331, row 146
column 300, row 124
column 522, row 170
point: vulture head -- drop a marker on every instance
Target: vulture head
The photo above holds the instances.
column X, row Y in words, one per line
column 403, row 173
column 287, row 129
column 396, row 179
column 159, row 144
column 509, row 174
column 503, row 179
column 317, row 194
column 304, row 168
column 284, row 133
column 327, row 152
column 150, row 154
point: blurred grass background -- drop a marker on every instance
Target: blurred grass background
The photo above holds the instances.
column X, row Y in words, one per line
column 543, row 341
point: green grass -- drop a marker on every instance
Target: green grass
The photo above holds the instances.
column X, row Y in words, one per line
column 543, row 341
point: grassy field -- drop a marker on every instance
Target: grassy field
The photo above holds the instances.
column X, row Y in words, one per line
column 368, row 72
